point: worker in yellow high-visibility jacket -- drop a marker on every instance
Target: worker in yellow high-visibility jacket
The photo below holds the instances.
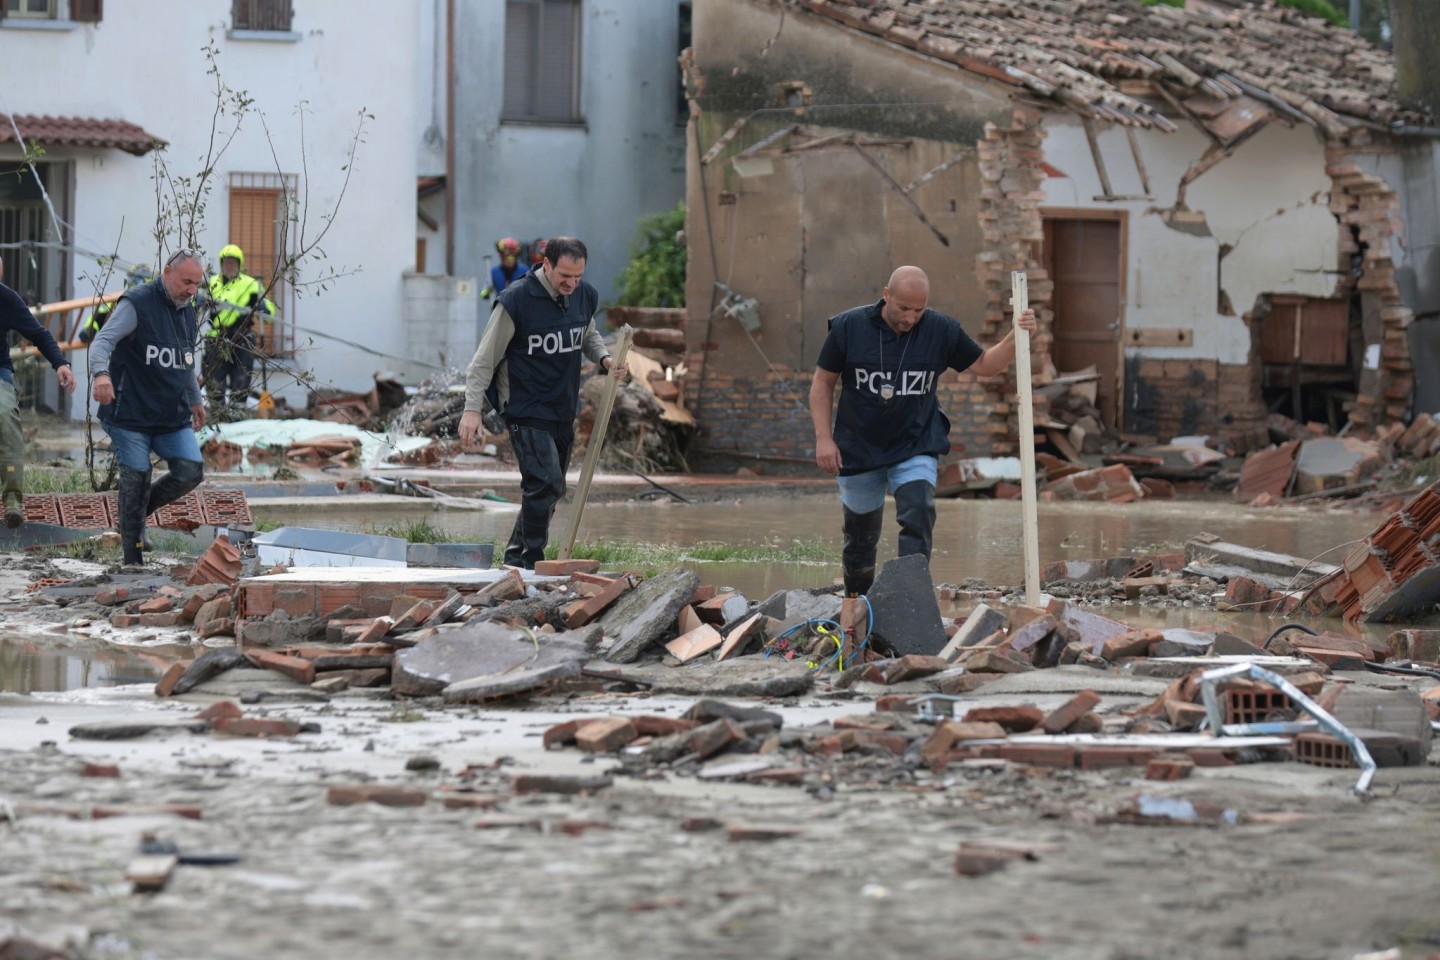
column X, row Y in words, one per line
column 235, row 300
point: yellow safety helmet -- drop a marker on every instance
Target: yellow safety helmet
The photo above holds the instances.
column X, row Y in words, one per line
column 231, row 250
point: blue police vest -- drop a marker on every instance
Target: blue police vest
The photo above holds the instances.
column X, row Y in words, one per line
column 149, row 368
column 545, row 355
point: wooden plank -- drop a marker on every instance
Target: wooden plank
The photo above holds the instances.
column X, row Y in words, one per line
column 1020, row 302
column 1159, row 337
column 597, row 441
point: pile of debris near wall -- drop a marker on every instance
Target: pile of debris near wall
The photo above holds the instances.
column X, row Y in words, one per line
column 1287, row 462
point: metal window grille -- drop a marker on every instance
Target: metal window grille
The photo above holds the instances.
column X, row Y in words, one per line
column 542, row 60
column 261, row 15
column 260, row 205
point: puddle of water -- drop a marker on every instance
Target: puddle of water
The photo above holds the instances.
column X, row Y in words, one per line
column 30, row 667
column 973, row 538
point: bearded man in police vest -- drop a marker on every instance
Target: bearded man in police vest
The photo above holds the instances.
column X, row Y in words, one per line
column 235, row 299
column 541, row 328
column 890, row 431
column 142, row 366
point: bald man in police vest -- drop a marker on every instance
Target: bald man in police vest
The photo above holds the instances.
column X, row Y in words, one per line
column 890, row 432
column 541, row 327
column 142, row 369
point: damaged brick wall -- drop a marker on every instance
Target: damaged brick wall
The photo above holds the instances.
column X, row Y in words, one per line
column 1371, row 205
column 1010, row 165
column 767, row 418
column 1184, row 397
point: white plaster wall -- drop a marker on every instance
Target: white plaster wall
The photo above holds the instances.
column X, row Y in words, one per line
column 590, row 180
column 144, row 64
column 1269, row 201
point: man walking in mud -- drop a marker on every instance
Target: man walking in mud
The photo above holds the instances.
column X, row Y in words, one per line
column 15, row 316
column 530, row 353
column 890, row 432
column 142, row 365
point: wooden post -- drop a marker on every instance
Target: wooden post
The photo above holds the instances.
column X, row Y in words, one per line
column 597, row 440
column 1019, row 303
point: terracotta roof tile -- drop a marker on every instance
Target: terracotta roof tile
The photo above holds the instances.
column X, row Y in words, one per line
column 80, row 132
column 1076, row 52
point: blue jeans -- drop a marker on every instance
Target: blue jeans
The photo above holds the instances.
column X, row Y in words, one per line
column 865, row 492
column 133, row 448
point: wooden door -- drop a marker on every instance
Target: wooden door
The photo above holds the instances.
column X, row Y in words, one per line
column 1085, row 258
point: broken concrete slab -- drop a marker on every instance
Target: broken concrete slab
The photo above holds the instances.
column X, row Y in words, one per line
column 560, row 656
column 751, row 677
column 983, row 621
column 792, row 607
column 1210, row 550
column 645, row 614
column 1328, row 462
column 907, row 615
column 208, row 665
column 486, row 652
column 131, row 729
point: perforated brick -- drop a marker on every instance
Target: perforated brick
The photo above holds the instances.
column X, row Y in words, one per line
column 221, row 508
column 42, row 508
column 184, row 514
column 1322, row 750
column 1255, row 706
column 83, row 511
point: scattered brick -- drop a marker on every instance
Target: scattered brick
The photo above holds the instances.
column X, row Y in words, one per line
column 937, row 746
column 573, row 828
column 605, row 735
column 700, row 824
column 592, row 607
column 1013, row 719
column 1060, row 719
column 166, row 684
column 189, row 811
column 1169, row 766
column 558, row 783
column 383, row 794
column 100, row 770
column 914, row 665
column 256, row 727
column 1135, row 643
column 156, row 605
column 564, row 568
column 220, row 710
column 652, row 726
column 471, row 801
column 301, row 671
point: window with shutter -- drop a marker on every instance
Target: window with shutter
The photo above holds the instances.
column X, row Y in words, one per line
column 272, row 15
column 542, row 60
column 261, row 226
column 87, row 11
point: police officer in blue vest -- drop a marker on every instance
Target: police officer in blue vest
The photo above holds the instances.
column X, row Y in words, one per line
column 142, row 365
column 890, row 432
column 540, row 329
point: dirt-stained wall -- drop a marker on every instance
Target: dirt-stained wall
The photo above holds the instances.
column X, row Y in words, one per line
column 813, row 222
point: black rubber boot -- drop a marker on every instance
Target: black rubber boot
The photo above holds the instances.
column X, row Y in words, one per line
column 184, row 476
column 543, row 457
column 134, row 494
column 862, row 533
column 915, row 509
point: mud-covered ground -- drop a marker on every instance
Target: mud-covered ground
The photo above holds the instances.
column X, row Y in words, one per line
column 1310, row 871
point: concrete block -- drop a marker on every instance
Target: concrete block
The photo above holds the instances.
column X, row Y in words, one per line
column 907, row 615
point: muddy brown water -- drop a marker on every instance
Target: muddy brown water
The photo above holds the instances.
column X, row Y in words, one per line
column 973, row 539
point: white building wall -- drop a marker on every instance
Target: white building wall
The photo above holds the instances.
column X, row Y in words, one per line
column 592, row 180
column 144, row 63
column 1269, row 202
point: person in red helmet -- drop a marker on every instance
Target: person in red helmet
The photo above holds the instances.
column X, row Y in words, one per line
column 508, row 270
column 537, row 252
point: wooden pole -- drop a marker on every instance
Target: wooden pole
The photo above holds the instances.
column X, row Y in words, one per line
column 1020, row 302
column 597, row 440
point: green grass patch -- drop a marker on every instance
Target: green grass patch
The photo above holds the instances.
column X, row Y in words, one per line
column 419, row 531
column 265, row 526
column 649, row 556
column 57, row 480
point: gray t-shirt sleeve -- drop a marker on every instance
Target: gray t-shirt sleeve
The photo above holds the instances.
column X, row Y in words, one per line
column 123, row 321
